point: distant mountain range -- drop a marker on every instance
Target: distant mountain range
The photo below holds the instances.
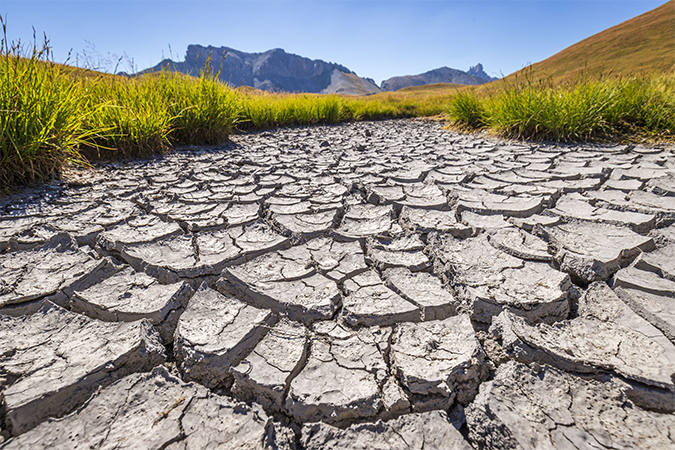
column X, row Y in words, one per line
column 274, row 71
column 475, row 75
column 278, row 71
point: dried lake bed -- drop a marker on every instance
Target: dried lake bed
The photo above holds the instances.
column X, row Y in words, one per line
column 376, row 285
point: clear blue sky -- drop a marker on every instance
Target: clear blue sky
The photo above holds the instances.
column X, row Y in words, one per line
column 377, row 39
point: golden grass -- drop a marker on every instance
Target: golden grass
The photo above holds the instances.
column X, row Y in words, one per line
column 642, row 45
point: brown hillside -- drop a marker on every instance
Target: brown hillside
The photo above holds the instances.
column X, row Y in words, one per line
column 644, row 44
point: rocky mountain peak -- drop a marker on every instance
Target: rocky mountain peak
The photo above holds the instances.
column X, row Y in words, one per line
column 273, row 70
column 440, row 75
column 478, row 71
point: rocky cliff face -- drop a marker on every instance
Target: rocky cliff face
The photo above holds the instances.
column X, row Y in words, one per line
column 274, row 70
column 442, row 75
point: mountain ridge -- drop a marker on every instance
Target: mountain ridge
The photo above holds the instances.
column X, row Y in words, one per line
column 440, row 75
column 274, row 70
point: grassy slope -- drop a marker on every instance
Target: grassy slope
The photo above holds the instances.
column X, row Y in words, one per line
column 430, row 88
column 644, row 44
column 426, row 100
column 413, row 102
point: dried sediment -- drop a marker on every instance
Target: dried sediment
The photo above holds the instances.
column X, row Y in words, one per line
column 214, row 333
column 54, row 360
column 129, row 295
column 438, row 362
column 549, row 408
column 366, row 285
column 55, row 269
column 417, row 431
column 343, row 375
column 154, row 410
column 489, row 280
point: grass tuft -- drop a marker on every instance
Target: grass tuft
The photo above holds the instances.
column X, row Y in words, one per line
column 41, row 115
column 204, row 110
column 265, row 110
column 128, row 118
column 52, row 114
column 587, row 109
column 467, row 110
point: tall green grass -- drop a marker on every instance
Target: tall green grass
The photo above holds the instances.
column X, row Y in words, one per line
column 128, row 118
column 467, row 110
column 41, row 116
column 583, row 110
column 146, row 115
column 52, row 114
column 265, row 110
column 204, row 110
column 261, row 111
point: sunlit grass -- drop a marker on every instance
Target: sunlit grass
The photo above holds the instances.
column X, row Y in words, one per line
column 129, row 118
column 51, row 115
column 41, row 115
column 261, row 111
column 588, row 108
column 264, row 110
column 204, row 111
column 149, row 114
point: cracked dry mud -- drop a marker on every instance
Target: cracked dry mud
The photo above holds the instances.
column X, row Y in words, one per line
column 386, row 285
